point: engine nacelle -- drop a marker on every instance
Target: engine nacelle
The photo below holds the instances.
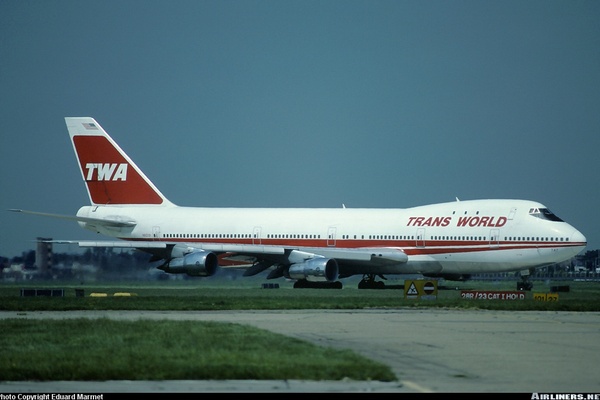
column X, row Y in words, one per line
column 198, row 263
column 322, row 269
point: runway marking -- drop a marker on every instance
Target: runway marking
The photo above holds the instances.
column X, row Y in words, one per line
column 416, row 387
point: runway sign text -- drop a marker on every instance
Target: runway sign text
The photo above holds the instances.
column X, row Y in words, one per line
column 491, row 295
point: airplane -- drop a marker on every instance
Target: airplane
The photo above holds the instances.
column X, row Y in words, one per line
column 315, row 247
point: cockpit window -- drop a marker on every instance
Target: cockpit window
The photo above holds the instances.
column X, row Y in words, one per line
column 544, row 213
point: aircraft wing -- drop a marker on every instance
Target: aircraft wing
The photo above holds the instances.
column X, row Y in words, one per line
column 307, row 261
column 311, row 261
column 376, row 255
column 380, row 255
column 291, row 255
column 256, row 258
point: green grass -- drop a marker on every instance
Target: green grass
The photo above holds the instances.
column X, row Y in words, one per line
column 102, row 349
column 199, row 295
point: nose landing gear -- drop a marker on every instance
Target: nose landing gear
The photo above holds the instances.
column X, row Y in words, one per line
column 368, row 282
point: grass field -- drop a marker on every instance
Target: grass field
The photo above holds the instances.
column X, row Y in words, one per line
column 204, row 294
column 80, row 349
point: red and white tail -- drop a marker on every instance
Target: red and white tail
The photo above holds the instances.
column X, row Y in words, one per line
column 110, row 176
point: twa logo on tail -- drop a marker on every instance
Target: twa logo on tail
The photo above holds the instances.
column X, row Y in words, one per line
column 111, row 177
column 106, row 172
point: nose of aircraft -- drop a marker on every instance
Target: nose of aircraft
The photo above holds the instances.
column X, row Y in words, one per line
column 577, row 237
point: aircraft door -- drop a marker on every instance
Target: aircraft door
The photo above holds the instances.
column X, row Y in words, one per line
column 156, row 232
column 256, row 235
column 421, row 237
column 494, row 238
column 331, row 236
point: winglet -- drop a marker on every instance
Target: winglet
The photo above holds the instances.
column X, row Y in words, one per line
column 111, row 177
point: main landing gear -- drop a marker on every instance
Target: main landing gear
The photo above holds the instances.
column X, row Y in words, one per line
column 525, row 283
column 368, row 282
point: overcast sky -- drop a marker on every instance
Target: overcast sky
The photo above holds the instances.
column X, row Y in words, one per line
column 303, row 103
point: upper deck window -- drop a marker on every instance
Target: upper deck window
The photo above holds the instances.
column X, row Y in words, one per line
column 544, row 213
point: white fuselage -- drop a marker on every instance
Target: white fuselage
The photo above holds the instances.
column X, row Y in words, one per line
column 461, row 237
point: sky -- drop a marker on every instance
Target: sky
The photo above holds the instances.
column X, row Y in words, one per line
column 286, row 103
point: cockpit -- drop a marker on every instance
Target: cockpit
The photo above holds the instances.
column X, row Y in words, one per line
column 544, row 213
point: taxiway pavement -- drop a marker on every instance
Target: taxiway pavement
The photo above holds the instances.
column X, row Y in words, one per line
column 430, row 350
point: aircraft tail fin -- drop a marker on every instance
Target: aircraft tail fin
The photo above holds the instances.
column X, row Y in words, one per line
column 110, row 176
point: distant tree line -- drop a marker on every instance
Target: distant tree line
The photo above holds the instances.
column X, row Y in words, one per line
column 107, row 262
column 110, row 264
column 590, row 259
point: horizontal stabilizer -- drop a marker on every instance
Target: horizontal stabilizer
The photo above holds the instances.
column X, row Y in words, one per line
column 100, row 221
column 115, row 244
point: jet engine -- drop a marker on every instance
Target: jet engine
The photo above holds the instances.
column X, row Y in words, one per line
column 315, row 269
column 198, row 263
